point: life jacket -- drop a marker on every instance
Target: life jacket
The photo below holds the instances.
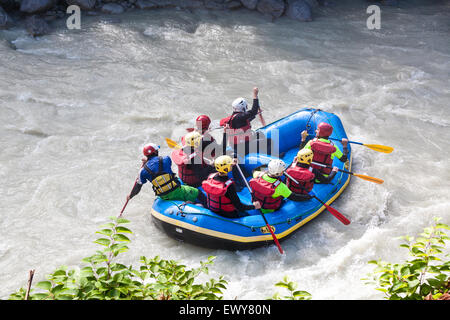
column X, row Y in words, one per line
column 164, row 182
column 322, row 154
column 263, row 191
column 236, row 135
column 186, row 171
column 215, row 191
column 304, row 176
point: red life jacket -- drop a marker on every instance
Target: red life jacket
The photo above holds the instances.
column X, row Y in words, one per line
column 236, row 135
column 185, row 171
column 304, row 176
column 322, row 154
column 263, row 191
column 215, row 191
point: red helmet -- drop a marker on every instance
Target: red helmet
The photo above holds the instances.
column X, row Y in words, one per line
column 203, row 122
column 150, row 149
column 325, row 129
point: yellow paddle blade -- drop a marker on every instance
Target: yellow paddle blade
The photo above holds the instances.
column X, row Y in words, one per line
column 172, row 144
column 379, row 148
column 368, row 178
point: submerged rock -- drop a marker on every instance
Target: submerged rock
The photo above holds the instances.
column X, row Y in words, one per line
column 274, row 8
column 36, row 26
column 299, row 10
column 36, row 6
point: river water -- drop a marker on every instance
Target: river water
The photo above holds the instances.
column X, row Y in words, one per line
column 78, row 105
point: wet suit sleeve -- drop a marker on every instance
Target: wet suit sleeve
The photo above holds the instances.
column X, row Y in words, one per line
column 240, row 120
column 136, row 189
column 139, row 182
column 233, row 196
column 342, row 156
column 303, row 144
column 322, row 178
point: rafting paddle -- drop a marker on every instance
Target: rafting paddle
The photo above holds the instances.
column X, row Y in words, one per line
column 129, row 197
column 172, row 144
column 376, row 147
column 362, row 176
column 262, row 214
column 331, row 210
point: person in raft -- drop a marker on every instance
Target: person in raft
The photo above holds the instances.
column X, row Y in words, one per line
column 208, row 143
column 324, row 150
column 269, row 190
column 238, row 131
column 164, row 182
column 304, row 174
column 193, row 167
column 222, row 197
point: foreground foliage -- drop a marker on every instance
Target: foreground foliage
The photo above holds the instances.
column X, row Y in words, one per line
column 291, row 287
column 104, row 278
column 425, row 277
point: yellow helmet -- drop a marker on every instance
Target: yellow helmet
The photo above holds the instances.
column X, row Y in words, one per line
column 223, row 164
column 305, row 156
column 193, row 139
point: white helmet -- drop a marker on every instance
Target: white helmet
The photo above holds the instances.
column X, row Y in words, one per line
column 239, row 105
column 276, row 167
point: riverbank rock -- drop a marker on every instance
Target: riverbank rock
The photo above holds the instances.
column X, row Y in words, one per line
column 83, row 4
column 145, row 5
column 36, row 26
column 299, row 10
column 36, row 6
column 112, row 8
column 5, row 20
column 249, row 4
column 274, row 8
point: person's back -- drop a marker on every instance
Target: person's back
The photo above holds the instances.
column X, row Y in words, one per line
column 222, row 197
column 324, row 150
column 157, row 170
column 269, row 190
column 192, row 167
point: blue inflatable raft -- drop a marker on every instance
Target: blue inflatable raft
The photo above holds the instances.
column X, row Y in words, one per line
column 200, row 226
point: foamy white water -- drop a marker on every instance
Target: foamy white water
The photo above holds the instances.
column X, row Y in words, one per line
column 77, row 106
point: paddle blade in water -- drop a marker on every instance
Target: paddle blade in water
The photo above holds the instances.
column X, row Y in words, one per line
column 337, row 214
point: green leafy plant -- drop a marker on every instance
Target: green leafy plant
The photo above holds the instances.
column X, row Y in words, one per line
column 103, row 278
column 425, row 276
column 291, row 288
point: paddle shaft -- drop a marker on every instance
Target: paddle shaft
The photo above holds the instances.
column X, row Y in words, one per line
column 333, row 211
column 263, row 122
column 362, row 176
column 325, row 166
column 262, row 214
column 128, row 197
